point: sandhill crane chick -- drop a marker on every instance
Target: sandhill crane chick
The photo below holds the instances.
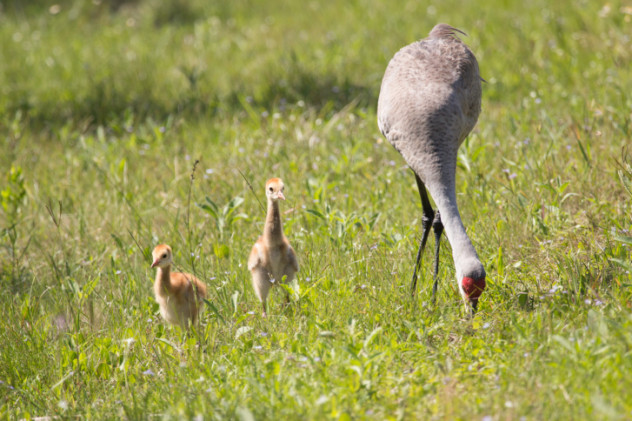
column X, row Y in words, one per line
column 178, row 294
column 429, row 102
column 272, row 259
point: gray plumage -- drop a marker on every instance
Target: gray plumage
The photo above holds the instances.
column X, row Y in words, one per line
column 429, row 102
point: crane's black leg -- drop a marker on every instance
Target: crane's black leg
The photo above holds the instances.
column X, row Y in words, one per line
column 437, row 226
column 426, row 220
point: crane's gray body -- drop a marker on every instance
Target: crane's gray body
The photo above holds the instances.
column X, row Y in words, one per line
column 429, row 102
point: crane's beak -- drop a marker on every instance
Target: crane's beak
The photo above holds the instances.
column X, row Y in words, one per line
column 474, row 304
column 280, row 195
column 153, row 265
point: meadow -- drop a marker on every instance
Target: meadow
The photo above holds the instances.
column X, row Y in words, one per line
column 129, row 123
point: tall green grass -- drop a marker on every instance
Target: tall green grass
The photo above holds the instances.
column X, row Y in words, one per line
column 105, row 107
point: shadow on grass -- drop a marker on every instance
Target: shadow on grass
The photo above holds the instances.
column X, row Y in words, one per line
column 106, row 103
column 38, row 7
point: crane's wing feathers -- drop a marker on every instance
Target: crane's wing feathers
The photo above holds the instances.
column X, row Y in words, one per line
column 291, row 255
column 431, row 88
column 256, row 255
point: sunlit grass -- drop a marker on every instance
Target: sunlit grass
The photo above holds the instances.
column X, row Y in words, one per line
column 105, row 108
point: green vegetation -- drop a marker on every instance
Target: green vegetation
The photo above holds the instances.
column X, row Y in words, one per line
column 106, row 106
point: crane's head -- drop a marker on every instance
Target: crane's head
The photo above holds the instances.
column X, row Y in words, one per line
column 274, row 189
column 471, row 289
column 472, row 276
column 162, row 256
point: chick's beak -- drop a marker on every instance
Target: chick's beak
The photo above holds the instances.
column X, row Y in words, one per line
column 280, row 195
column 153, row 265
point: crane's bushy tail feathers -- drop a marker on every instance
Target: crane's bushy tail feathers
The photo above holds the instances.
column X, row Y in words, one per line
column 443, row 30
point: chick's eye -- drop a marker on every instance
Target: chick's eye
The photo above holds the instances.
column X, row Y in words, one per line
column 270, row 189
column 164, row 256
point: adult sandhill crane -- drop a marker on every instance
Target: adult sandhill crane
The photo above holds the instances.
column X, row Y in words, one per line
column 178, row 294
column 429, row 102
column 272, row 258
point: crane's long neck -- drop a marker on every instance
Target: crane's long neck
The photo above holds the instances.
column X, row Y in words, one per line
column 466, row 259
column 273, row 230
column 163, row 280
